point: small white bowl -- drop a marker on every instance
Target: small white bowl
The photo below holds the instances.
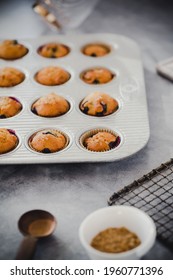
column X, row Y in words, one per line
column 130, row 217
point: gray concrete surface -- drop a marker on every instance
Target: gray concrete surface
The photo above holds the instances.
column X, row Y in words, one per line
column 72, row 191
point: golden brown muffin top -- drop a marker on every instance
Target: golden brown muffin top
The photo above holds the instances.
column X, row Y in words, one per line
column 53, row 50
column 97, row 76
column 8, row 140
column 52, row 76
column 101, row 142
column 96, row 50
column 11, row 49
column 10, row 76
column 47, row 141
column 9, row 107
column 98, row 104
column 51, row 105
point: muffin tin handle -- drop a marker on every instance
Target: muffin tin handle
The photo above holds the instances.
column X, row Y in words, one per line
column 27, row 248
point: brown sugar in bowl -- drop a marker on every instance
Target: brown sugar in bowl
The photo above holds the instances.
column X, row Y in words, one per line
column 115, row 240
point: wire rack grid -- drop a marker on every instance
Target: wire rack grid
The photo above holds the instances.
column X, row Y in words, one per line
column 153, row 193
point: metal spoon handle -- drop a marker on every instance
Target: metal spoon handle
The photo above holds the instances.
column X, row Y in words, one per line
column 27, row 248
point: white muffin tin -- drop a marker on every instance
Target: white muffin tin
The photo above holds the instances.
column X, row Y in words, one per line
column 128, row 87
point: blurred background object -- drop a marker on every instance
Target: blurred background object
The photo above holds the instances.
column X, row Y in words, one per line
column 64, row 14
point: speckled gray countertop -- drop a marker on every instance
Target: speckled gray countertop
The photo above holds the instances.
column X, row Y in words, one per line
column 72, row 191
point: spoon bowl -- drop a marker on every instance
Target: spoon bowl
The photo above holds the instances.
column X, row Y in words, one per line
column 34, row 224
column 37, row 223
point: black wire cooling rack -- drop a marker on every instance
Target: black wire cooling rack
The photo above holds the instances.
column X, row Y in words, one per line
column 153, row 193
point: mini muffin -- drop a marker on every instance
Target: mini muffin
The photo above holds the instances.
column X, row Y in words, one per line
column 52, row 76
column 97, row 76
column 8, row 140
column 9, row 107
column 53, row 50
column 10, row 77
column 11, row 49
column 98, row 104
column 51, row 105
column 47, row 141
column 101, row 141
column 96, row 50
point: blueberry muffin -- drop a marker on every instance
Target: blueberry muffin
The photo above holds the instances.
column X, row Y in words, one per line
column 98, row 104
column 52, row 76
column 9, row 107
column 53, row 50
column 96, row 50
column 8, row 140
column 10, row 77
column 11, row 49
column 47, row 141
column 51, row 105
column 97, row 76
column 101, row 141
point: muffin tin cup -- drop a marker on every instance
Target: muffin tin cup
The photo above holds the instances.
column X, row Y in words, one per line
column 24, row 72
column 112, row 46
column 41, row 47
column 67, row 144
column 25, row 44
column 116, row 111
column 11, row 152
column 18, row 114
column 37, row 70
column 130, row 121
column 114, row 72
column 92, row 132
column 67, row 98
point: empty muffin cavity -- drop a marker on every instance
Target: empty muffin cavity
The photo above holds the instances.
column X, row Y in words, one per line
column 48, row 141
column 52, row 76
column 9, row 107
column 97, row 75
column 53, row 50
column 99, row 104
column 50, row 106
column 8, row 140
column 100, row 140
column 96, row 50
